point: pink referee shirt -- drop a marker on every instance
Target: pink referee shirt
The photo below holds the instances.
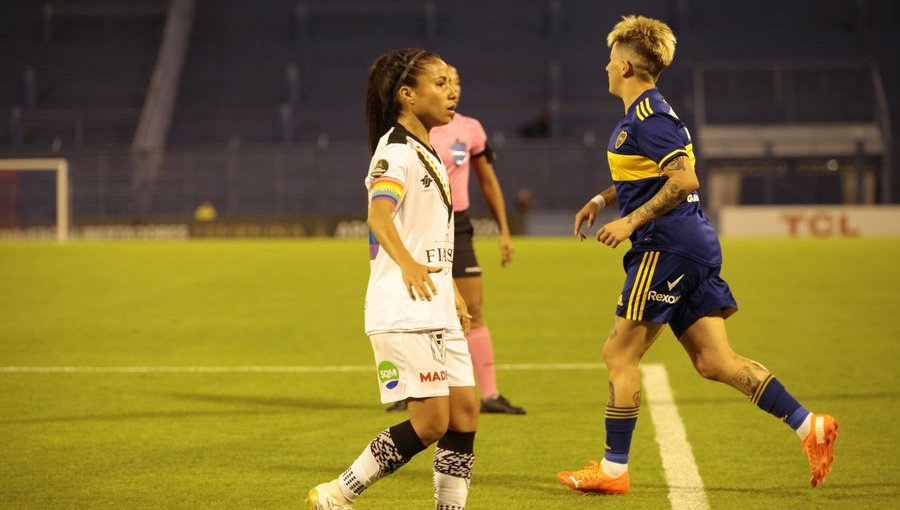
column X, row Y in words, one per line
column 457, row 143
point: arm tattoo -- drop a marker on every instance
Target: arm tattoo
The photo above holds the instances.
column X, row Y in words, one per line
column 662, row 202
column 612, row 394
column 636, row 398
column 677, row 164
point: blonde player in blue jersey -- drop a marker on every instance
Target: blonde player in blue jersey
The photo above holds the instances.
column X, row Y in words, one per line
column 672, row 268
column 415, row 317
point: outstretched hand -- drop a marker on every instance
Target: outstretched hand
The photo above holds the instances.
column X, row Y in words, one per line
column 418, row 282
column 588, row 214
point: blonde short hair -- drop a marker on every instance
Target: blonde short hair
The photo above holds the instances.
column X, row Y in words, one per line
column 651, row 39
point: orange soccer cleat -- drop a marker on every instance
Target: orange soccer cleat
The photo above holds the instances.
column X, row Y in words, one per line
column 819, row 446
column 593, row 479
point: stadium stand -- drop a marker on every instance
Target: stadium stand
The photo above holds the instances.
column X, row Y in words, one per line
column 271, row 100
column 77, row 70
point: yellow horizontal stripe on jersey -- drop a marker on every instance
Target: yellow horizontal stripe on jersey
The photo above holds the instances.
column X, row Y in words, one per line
column 688, row 151
column 647, row 109
column 631, row 167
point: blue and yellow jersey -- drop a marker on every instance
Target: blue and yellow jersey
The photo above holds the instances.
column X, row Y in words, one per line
column 646, row 139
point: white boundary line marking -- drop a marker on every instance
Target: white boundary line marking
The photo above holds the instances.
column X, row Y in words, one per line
column 300, row 369
column 685, row 485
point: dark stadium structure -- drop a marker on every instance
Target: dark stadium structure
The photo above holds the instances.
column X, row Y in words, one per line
column 258, row 107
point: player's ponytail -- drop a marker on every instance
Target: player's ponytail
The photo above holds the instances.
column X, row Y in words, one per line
column 389, row 72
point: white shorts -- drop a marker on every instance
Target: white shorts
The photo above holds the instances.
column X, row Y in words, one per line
column 421, row 364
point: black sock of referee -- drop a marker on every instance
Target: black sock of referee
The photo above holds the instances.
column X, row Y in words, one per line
column 454, row 458
column 390, row 450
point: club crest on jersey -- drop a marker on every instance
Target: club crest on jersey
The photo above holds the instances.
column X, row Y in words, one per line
column 426, row 181
column 458, row 150
column 621, row 138
column 380, row 168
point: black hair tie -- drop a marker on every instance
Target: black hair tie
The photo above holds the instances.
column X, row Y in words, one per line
column 406, row 70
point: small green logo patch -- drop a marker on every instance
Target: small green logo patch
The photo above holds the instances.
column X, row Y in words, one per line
column 388, row 374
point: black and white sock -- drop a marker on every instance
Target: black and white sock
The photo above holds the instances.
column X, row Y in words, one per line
column 454, row 458
column 390, row 450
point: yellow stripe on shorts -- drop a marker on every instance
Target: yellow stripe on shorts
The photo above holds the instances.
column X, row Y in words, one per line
column 631, row 311
column 646, row 291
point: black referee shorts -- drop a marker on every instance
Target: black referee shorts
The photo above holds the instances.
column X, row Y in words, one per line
column 465, row 265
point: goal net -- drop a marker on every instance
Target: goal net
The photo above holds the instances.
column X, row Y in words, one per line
column 8, row 170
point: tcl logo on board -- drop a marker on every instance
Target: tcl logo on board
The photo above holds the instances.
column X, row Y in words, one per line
column 819, row 224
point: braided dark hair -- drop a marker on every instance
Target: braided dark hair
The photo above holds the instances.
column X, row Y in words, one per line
column 390, row 72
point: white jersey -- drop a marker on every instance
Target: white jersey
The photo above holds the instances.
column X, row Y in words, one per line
column 407, row 172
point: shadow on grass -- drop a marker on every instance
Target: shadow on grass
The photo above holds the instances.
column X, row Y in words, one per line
column 827, row 491
column 131, row 416
column 283, row 405
column 333, row 467
column 300, row 404
column 736, row 399
column 543, row 483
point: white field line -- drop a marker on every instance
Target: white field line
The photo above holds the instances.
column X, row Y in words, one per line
column 300, row 369
column 685, row 485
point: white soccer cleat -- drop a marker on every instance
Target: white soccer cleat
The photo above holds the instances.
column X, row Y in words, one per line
column 327, row 496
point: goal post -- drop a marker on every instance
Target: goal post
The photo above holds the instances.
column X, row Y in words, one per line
column 61, row 167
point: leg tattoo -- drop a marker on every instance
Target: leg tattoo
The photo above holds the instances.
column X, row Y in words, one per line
column 746, row 381
column 755, row 364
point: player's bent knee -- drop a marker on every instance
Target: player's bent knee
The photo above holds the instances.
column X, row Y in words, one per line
column 617, row 357
column 709, row 367
column 464, row 409
column 431, row 429
column 470, row 415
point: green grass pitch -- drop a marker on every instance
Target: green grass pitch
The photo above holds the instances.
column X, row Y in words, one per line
column 823, row 315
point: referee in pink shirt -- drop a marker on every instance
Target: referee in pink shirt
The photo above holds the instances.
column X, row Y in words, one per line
column 460, row 144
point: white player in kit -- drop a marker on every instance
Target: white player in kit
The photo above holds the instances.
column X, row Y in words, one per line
column 415, row 317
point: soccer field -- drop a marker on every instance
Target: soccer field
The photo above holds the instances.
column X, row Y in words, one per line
column 823, row 315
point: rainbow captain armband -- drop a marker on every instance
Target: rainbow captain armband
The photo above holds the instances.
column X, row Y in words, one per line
column 387, row 188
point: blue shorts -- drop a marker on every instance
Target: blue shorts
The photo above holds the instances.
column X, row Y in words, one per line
column 668, row 288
